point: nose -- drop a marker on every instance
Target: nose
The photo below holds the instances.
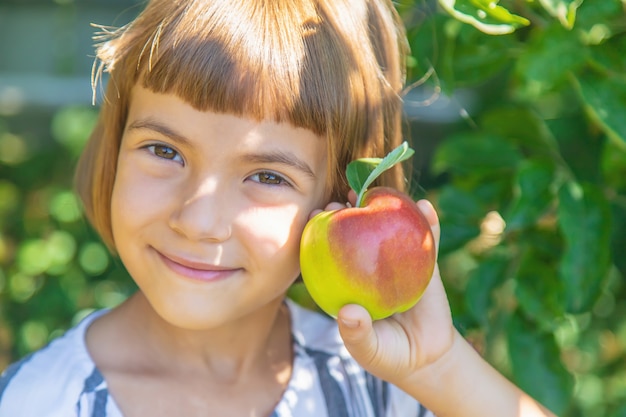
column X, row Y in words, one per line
column 203, row 213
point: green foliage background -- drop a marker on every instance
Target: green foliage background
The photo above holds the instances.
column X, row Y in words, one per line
column 529, row 181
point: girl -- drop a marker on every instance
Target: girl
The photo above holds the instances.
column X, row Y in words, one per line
column 225, row 125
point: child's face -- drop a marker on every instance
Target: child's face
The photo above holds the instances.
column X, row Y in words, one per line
column 208, row 209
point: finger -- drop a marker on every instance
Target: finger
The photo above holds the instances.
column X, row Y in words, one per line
column 334, row 206
column 314, row 213
column 329, row 207
column 357, row 332
column 352, row 197
column 433, row 220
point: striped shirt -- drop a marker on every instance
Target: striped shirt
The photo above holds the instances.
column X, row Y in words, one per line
column 61, row 380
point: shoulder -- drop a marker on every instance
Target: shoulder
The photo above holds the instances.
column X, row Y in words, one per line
column 50, row 381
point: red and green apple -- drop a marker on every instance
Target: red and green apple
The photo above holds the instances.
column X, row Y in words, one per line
column 379, row 254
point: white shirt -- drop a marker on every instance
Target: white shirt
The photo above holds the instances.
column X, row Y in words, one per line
column 61, row 379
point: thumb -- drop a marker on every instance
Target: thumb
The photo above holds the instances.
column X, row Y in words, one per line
column 357, row 332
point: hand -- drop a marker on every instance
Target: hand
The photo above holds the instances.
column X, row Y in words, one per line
column 396, row 347
column 421, row 352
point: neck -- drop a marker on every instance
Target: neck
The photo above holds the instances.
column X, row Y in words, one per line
column 253, row 344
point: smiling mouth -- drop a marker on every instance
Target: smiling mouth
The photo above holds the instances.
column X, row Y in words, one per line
column 196, row 270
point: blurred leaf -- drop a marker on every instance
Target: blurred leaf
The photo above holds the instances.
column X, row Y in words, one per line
column 580, row 147
column 9, row 197
column 71, row 127
column 13, row 149
column 461, row 213
column 594, row 12
column 537, row 369
column 475, row 154
column 34, row 334
column 93, row 258
column 488, row 275
column 4, row 256
column 521, row 126
column 620, row 412
column 605, row 99
column 608, row 56
column 618, row 235
column 585, row 221
column 539, row 290
column 548, row 58
column 425, row 40
column 613, row 166
column 484, row 15
column 454, row 235
column 65, row 207
column 60, row 248
column 533, row 194
column 473, row 57
column 563, row 10
column 51, row 254
column 298, row 293
column 32, row 257
column 73, row 284
column 22, row 286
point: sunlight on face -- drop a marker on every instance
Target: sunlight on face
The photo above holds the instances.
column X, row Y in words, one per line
column 208, row 209
column 529, row 408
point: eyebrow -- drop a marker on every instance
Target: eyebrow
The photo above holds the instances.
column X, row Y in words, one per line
column 280, row 157
column 159, row 128
column 271, row 157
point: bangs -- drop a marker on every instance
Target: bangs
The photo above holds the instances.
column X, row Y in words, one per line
column 223, row 65
column 211, row 55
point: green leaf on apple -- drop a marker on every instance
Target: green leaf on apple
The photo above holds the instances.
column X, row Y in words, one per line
column 362, row 172
column 359, row 170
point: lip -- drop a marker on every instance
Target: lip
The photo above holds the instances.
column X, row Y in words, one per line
column 198, row 271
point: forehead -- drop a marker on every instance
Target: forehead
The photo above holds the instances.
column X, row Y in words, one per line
column 171, row 116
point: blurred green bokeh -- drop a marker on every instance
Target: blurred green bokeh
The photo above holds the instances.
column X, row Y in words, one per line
column 53, row 268
column 520, row 141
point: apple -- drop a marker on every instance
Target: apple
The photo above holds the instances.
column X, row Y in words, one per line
column 380, row 254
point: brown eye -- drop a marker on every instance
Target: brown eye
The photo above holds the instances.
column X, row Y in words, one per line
column 270, row 178
column 164, row 152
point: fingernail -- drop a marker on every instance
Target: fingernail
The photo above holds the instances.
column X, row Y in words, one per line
column 353, row 324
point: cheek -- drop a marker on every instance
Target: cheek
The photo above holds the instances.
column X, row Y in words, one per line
column 274, row 232
column 134, row 199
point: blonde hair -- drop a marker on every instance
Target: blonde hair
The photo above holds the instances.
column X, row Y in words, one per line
column 335, row 67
